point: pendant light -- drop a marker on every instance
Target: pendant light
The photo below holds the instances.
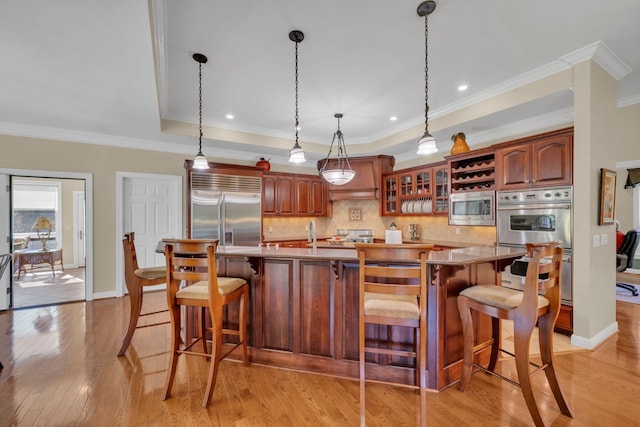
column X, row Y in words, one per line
column 426, row 144
column 296, row 154
column 200, row 161
column 340, row 172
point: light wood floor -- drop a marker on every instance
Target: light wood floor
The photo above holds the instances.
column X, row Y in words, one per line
column 61, row 369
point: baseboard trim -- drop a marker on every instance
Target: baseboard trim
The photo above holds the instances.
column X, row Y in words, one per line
column 597, row 339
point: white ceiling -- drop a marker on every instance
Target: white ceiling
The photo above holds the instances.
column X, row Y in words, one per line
column 85, row 71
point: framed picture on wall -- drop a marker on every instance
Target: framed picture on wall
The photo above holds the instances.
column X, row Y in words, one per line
column 607, row 196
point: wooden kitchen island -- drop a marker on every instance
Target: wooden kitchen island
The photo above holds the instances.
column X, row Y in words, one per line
column 304, row 310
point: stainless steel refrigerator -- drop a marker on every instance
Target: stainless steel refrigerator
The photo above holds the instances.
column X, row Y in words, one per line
column 226, row 207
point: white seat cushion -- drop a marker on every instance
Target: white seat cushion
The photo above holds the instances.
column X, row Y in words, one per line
column 498, row 296
column 398, row 306
column 200, row 290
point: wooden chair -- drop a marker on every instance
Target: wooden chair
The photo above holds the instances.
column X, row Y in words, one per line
column 393, row 292
column 136, row 279
column 194, row 262
column 525, row 309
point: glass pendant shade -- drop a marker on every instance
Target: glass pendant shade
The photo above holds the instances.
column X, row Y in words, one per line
column 338, row 176
column 427, row 145
column 296, row 154
column 337, row 171
column 200, row 162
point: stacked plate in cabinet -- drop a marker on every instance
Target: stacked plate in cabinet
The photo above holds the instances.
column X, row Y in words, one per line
column 417, row 206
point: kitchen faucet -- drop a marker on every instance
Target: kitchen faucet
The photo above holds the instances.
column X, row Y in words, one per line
column 312, row 235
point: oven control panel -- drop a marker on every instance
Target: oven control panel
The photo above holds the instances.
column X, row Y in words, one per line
column 538, row 196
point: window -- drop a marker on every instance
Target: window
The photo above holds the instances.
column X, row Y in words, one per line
column 31, row 200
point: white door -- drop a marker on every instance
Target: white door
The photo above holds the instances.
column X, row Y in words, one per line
column 152, row 209
column 79, row 245
column 5, row 280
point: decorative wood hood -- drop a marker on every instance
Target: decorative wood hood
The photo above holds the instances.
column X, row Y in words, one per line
column 367, row 183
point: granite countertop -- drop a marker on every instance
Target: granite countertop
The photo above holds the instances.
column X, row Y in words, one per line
column 459, row 256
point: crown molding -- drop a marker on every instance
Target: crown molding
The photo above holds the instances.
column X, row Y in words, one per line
column 602, row 55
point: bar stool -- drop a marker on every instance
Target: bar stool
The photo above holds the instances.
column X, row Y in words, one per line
column 136, row 279
column 393, row 292
column 194, row 262
column 525, row 309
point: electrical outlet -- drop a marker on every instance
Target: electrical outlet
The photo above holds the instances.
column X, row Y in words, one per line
column 270, row 229
column 596, row 240
column 306, row 228
column 604, row 239
column 457, row 231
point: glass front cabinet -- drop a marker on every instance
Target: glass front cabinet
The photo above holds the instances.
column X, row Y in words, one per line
column 417, row 191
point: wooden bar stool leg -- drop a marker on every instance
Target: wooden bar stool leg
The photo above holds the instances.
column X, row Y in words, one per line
column 495, row 346
column 243, row 324
column 216, row 352
column 203, row 329
column 522, row 339
column 361, row 352
column 468, row 340
column 174, row 311
column 135, row 301
column 546, row 352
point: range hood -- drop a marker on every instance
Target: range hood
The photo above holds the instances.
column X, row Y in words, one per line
column 367, row 183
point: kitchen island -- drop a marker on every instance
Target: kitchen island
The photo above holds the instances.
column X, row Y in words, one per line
column 304, row 310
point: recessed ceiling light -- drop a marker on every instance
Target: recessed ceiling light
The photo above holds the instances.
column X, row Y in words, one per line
column 393, row 118
column 229, row 116
column 298, row 128
column 462, row 88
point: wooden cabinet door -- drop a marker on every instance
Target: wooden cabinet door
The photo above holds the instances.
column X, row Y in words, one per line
column 440, row 190
column 318, row 197
column 303, row 196
column 285, row 196
column 310, row 196
column 390, row 195
column 269, row 186
column 552, row 161
column 514, row 166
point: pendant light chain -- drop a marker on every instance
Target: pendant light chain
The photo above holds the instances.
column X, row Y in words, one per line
column 297, row 117
column 200, row 106
column 426, row 74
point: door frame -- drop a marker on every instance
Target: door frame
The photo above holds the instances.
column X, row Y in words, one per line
column 120, row 179
column 78, row 226
column 88, row 179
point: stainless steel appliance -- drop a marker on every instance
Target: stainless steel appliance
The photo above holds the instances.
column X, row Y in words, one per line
column 473, row 208
column 536, row 216
column 226, row 207
column 363, row 235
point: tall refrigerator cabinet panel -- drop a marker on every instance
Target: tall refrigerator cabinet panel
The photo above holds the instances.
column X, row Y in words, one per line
column 227, row 208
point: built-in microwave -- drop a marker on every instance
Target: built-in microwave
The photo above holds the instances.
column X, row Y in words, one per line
column 473, row 208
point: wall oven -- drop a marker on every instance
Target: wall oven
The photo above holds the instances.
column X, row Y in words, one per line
column 536, row 216
column 474, row 208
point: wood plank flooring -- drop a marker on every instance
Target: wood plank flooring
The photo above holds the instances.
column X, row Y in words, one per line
column 61, row 369
column 41, row 287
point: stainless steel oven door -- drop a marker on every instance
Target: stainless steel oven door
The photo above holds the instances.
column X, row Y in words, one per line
column 520, row 224
column 516, row 281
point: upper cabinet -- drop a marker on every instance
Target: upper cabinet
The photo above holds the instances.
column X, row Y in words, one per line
column 367, row 184
column 277, row 194
column 416, row 191
column 311, row 196
column 539, row 161
column 285, row 194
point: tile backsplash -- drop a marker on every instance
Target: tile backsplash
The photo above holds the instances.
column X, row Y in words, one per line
column 366, row 214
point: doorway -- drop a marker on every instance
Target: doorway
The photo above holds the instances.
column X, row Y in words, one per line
column 40, row 277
